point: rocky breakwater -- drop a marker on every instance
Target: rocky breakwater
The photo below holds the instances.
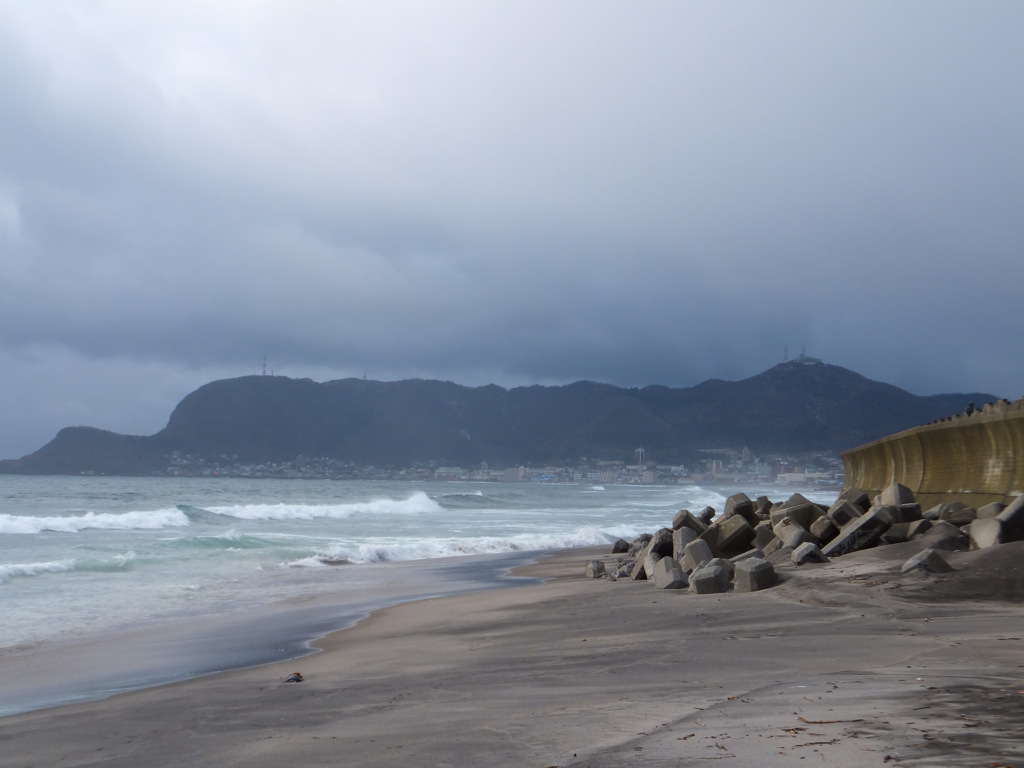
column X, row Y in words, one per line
column 750, row 545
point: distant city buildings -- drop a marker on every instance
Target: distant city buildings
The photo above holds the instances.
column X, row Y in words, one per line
column 715, row 466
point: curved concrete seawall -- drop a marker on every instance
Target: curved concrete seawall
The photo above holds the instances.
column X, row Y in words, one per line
column 975, row 457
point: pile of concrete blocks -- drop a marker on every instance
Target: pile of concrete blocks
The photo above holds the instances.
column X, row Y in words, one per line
column 804, row 532
column 702, row 554
column 741, row 548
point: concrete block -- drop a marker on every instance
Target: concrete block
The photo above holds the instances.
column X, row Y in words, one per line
column 780, row 555
column 796, row 500
column 960, row 517
column 772, row 546
column 798, row 537
column 897, row 533
column 947, row 509
column 792, row 534
column 897, row 494
column 927, row 560
column 620, row 546
column 808, row 553
column 640, row 544
column 1012, row 519
column 638, row 573
column 735, row 535
column 685, row 518
column 763, row 507
column 905, row 513
column 696, row 554
column 892, row 512
column 918, row 528
column 661, row 542
column 985, row 533
column 650, row 561
column 842, row 512
column 956, row 512
column 710, row 536
column 753, row 575
column 645, row 550
column 857, row 497
column 680, row 538
column 737, row 501
column 740, row 504
column 706, row 515
column 668, row 575
column 990, row 510
column 594, row 569
column 802, row 514
column 708, row 580
column 824, row 530
column 721, row 562
column 756, row 553
column 785, row 526
column 945, row 536
column 763, row 533
column 864, row 532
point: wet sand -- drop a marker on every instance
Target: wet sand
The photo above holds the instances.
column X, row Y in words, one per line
column 36, row 676
column 846, row 664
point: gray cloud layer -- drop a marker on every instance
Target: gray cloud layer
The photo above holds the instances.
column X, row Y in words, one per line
column 655, row 192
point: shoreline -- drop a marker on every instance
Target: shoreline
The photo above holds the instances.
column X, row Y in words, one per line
column 831, row 665
column 54, row 674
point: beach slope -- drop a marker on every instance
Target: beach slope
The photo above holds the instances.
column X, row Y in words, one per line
column 847, row 664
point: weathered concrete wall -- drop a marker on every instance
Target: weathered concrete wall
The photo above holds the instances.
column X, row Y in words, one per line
column 976, row 458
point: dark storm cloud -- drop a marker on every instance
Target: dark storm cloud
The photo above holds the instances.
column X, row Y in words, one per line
column 508, row 192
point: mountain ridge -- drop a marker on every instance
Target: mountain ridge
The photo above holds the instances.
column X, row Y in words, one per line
column 795, row 407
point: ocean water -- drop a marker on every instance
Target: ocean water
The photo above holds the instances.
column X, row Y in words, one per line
column 89, row 558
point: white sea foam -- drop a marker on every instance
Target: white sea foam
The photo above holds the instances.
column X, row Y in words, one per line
column 309, row 562
column 384, row 550
column 417, row 503
column 121, row 521
column 10, row 570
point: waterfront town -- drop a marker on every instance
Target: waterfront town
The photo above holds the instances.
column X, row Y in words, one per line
column 714, row 465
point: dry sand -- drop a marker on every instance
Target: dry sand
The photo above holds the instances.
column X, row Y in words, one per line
column 846, row 664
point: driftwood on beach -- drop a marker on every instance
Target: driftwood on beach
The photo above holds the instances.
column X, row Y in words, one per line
column 743, row 547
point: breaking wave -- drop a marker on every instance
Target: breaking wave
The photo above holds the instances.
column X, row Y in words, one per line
column 477, row 500
column 9, row 571
column 393, row 550
column 230, row 540
column 418, row 503
column 109, row 521
column 120, row 562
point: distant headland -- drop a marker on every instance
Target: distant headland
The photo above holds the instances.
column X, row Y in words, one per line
column 800, row 406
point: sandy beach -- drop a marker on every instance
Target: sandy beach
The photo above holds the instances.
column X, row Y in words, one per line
column 845, row 664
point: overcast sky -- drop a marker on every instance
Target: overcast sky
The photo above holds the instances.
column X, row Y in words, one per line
column 508, row 192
